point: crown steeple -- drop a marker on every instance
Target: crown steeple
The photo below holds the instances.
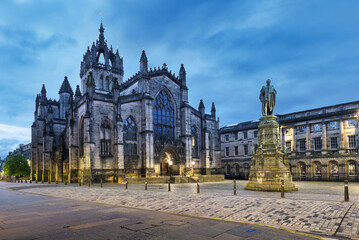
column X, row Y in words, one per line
column 104, row 62
column 101, row 37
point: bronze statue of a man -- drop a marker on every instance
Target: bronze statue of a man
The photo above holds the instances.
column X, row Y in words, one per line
column 267, row 97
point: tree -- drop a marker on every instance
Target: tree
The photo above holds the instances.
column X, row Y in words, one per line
column 16, row 165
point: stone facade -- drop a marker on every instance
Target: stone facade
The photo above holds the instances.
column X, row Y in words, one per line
column 321, row 144
column 114, row 129
column 23, row 149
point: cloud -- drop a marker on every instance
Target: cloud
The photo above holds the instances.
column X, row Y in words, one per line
column 11, row 136
column 308, row 49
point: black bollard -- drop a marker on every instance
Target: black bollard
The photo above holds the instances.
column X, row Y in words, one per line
column 49, row 181
column 197, row 185
column 234, row 187
column 101, row 182
column 21, row 181
column 79, row 182
column 169, row 185
column 30, row 181
column 282, row 189
column 57, row 182
column 42, row 181
column 126, row 184
column 65, row 182
column 89, row 182
column 346, row 191
column 146, row 185
column 36, row 181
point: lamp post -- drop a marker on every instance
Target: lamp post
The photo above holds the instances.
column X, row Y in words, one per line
column 193, row 163
column 170, row 166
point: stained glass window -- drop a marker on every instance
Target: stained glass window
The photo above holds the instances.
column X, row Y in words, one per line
column 163, row 117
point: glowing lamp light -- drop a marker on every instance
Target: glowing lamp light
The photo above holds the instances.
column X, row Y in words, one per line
column 193, row 163
column 170, row 163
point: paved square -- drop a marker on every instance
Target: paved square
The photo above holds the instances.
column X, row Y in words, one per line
column 317, row 208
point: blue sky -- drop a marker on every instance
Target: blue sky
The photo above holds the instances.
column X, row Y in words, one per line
column 310, row 50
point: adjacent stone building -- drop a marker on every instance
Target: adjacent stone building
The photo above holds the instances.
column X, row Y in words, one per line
column 112, row 129
column 322, row 143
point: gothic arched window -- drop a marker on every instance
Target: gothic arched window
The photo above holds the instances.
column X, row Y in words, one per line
column 105, row 136
column 130, row 137
column 194, row 142
column 163, row 116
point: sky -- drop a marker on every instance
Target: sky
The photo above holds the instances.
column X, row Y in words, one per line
column 309, row 49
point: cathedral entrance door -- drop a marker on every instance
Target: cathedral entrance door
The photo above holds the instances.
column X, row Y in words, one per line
column 166, row 164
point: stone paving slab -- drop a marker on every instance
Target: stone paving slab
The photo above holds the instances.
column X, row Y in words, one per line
column 332, row 218
column 87, row 220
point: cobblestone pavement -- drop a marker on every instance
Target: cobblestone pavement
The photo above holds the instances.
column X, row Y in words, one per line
column 317, row 208
column 30, row 216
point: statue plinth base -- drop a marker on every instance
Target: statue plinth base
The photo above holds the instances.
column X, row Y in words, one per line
column 269, row 164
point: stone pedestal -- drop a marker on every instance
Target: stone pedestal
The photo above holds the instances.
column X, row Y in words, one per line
column 269, row 164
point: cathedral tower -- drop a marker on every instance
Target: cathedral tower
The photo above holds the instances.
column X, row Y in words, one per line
column 105, row 65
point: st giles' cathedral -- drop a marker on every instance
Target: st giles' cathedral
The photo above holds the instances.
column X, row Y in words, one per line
column 114, row 129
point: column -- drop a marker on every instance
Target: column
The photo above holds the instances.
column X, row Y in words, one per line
column 324, row 138
column 207, row 160
column 308, row 140
column 341, row 137
column 294, row 141
column 283, row 138
column 89, row 148
column 147, row 135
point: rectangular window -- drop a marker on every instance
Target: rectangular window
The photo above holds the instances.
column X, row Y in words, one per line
column 236, row 150
column 317, row 144
column 227, row 151
column 302, row 146
column 245, row 134
column 301, row 129
column 333, row 125
column 255, row 133
column 333, row 143
column 352, row 142
column 245, row 149
column 227, row 138
column 288, row 144
column 351, row 122
column 317, row 127
column 236, row 136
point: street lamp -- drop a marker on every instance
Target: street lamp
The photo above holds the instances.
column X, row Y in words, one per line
column 193, row 163
column 169, row 169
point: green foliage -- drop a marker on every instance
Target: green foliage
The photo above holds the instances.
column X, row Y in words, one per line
column 16, row 165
